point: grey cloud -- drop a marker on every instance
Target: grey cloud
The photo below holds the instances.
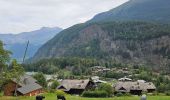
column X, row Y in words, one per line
column 26, row 15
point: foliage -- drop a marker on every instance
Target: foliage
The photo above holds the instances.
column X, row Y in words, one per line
column 60, row 93
column 106, row 87
column 4, row 60
column 119, row 94
column 41, row 79
column 54, row 85
column 14, row 70
column 96, row 94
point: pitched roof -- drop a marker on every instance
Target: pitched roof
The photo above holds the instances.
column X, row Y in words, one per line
column 25, row 79
column 27, row 84
column 74, row 84
column 144, row 86
column 29, row 88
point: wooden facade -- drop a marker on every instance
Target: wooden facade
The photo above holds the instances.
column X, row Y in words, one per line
column 32, row 93
column 9, row 88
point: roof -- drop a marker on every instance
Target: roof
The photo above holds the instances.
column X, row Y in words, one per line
column 25, row 79
column 27, row 84
column 29, row 88
column 125, row 79
column 144, row 86
column 74, row 84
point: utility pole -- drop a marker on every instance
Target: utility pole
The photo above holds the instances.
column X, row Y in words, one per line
column 25, row 52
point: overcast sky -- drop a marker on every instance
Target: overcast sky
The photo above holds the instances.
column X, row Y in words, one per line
column 26, row 15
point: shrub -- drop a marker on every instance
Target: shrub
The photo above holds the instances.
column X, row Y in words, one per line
column 1, row 94
column 54, row 85
column 127, row 94
column 60, row 93
column 95, row 94
column 119, row 94
column 167, row 93
column 106, row 87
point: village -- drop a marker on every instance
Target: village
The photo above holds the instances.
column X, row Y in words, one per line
column 29, row 86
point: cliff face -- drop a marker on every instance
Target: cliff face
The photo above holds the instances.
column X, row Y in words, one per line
column 96, row 40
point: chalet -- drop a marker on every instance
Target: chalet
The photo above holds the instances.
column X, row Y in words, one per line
column 75, row 86
column 27, row 86
column 135, row 88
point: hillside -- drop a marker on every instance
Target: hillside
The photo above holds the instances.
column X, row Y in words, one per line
column 144, row 10
column 17, row 42
column 127, row 42
column 136, row 32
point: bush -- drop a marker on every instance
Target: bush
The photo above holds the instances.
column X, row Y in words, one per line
column 119, row 94
column 95, row 94
column 106, row 87
column 127, row 94
column 1, row 94
column 60, row 93
column 54, row 85
column 167, row 93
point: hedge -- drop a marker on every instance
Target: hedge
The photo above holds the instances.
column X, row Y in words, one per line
column 95, row 94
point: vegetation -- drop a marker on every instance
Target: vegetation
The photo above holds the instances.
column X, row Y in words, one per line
column 8, row 70
column 107, row 88
column 68, row 97
column 128, row 31
column 95, row 94
column 41, row 79
column 54, row 85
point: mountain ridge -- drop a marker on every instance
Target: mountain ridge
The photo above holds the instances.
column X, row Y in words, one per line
column 143, row 10
column 17, row 42
column 132, row 41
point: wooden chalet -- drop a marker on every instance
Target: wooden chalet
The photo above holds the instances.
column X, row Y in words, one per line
column 76, row 86
column 26, row 87
column 135, row 88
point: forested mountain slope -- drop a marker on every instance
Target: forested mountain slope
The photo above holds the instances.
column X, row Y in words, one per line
column 127, row 42
column 144, row 10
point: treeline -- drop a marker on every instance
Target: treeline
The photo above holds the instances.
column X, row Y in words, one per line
column 75, row 64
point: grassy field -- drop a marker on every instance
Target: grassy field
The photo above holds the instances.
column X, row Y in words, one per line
column 53, row 97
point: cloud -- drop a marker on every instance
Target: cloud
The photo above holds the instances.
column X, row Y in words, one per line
column 27, row 15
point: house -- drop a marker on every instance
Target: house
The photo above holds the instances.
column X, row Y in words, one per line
column 100, row 69
column 125, row 79
column 75, row 86
column 97, row 81
column 27, row 86
column 135, row 88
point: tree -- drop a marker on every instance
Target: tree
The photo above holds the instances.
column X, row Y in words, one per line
column 41, row 79
column 106, row 87
column 16, row 72
column 4, row 59
column 54, row 85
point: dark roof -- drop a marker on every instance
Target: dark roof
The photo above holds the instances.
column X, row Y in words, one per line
column 29, row 88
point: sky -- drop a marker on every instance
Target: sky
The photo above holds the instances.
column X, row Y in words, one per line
column 18, row 16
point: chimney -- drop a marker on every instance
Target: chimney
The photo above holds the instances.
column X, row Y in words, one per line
column 26, row 81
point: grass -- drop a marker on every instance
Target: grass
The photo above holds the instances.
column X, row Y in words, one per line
column 53, row 97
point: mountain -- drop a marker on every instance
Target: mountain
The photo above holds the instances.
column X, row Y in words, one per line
column 144, row 10
column 139, row 39
column 17, row 42
column 127, row 42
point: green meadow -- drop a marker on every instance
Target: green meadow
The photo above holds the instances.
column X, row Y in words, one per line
column 53, row 97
